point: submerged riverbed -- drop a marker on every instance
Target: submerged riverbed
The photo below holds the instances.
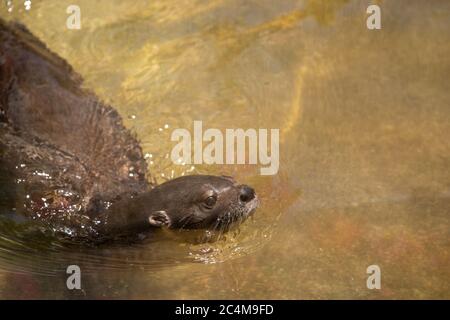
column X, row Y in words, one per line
column 364, row 117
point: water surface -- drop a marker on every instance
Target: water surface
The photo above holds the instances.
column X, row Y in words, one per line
column 364, row 151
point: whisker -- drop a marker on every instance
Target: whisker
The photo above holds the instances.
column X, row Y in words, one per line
column 188, row 219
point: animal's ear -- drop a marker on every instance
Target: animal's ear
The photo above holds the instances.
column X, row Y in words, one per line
column 159, row 219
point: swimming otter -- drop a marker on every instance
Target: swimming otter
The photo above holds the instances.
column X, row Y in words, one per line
column 67, row 160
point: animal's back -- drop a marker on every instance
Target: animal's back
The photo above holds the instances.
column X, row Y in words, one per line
column 57, row 140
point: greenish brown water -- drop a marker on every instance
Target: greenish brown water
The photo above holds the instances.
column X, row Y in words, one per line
column 364, row 150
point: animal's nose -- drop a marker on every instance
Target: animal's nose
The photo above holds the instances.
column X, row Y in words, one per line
column 247, row 194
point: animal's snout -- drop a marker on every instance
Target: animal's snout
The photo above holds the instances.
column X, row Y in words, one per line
column 246, row 194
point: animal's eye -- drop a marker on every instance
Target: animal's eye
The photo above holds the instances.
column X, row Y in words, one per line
column 210, row 201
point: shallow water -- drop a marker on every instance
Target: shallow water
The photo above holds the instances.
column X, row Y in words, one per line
column 364, row 171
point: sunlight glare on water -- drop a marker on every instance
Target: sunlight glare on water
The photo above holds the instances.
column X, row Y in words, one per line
column 364, row 157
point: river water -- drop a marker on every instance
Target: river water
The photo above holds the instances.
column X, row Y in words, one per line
column 364, row 119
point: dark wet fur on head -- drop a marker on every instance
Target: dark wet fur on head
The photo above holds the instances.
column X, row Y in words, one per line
column 182, row 203
column 227, row 211
column 70, row 163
